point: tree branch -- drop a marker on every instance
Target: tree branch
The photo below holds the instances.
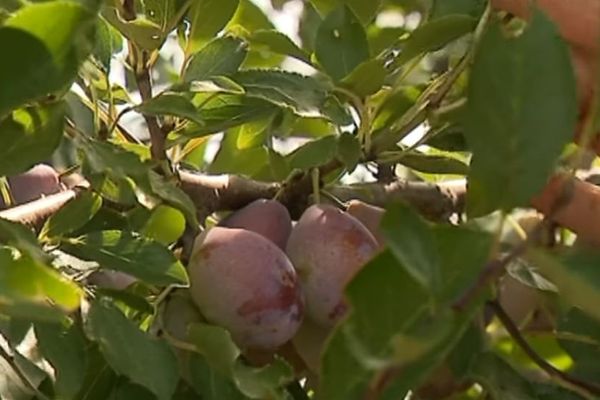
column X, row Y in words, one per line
column 567, row 380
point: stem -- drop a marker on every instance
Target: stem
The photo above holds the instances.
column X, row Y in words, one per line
column 586, row 389
column 316, row 185
column 157, row 137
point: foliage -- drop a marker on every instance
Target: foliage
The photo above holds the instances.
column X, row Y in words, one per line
column 133, row 94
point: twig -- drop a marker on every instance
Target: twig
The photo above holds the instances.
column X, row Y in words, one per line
column 11, row 361
column 586, row 389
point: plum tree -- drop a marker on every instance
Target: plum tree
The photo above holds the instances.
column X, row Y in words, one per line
column 39, row 180
column 268, row 218
column 327, row 247
column 369, row 215
column 245, row 283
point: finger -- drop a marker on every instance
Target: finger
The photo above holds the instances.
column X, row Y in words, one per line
column 578, row 20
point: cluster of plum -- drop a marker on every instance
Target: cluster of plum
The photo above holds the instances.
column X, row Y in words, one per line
column 268, row 280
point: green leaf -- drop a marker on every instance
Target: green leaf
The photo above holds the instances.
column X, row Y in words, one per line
column 580, row 337
column 228, row 111
column 304, row 95
column 207, row 18
column 165, row 13
column 364, row 10
column 411, row 240
column 108, row 42
column 173, row 195
column 254, row 134
column 366, row 79
column 73, row 215
column 426, row 163
column 314, row 154
column 216, row 345
column 575, row 274
column 221, row 56
column 266, row 382
column 143, row 32
column 209, row 383
column 341, row 43
column 64, row 348
column 232, row 160
column 165, row 225
column 143, row 258
column 174, row 104
column 513, row 82
column 499, row 379
column 131, row 352
column 434, row 35
column 349, row 150
column 26, row 280
column 216, row 84
column 276, row 42
column 473, row 8
column 28, row 136
column 21, row 237
column 49, row 50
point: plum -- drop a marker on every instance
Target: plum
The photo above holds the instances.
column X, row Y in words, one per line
column 369, row 215
column 245, row 283
column 265, row 217
column 327, row 247
column 40, row 180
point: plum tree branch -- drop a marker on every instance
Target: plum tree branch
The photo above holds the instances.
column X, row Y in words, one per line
column 567, row 380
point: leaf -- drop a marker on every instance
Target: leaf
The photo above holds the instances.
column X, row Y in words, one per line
column 364, row 10
column 276, row 42
column 580, row 337
column 216, row 345
column 143, row 258
column 73, row 215
column 143, row 32
column 165, row 225
column 232, row 160
column 434, row 35
column 170, row 104
column 22, row 238
column 216, row 84
column 131, row 352
column 427, row 163
column 499, row 379
column 314, row 154
column 165, row 13
column 28, row 136
column 108, row 42
column 49, row 50
column 513, row 82
column 254, row 134
column 210, row 384
column 411, row 240
column 265, row 382
column 473, row 8
column 64, row 348
column 304, row 95
column 173, row 195
column 26, row 280
column 349, row 150
column 367, row 78
column 227, row 112
column 221, row 56
column 341, row 43
column 575, row 274
column 207, row 18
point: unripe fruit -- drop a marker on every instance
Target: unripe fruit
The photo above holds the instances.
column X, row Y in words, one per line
column 268, row 218
column 369, row 215
column 32, row 184
column 246, row 284
column 327, row 247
